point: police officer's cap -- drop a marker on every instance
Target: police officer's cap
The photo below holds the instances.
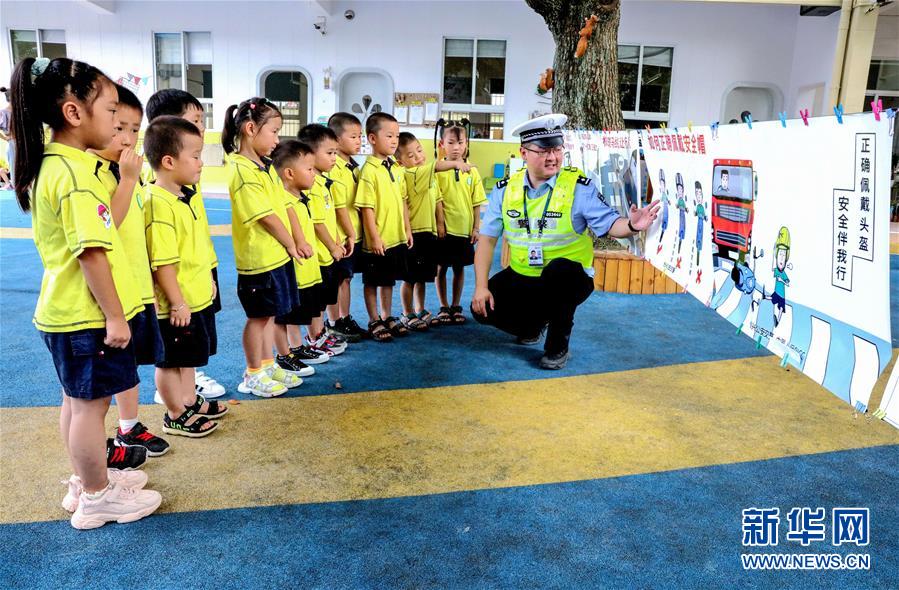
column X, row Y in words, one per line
column 545, row 131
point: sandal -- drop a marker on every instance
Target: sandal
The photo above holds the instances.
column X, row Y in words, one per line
column 216, row 410
column 414, row 323
column 396, row 327
column 179, row 425
column 379, row 331
column 457, row 317
column 425, row 316
column 443, row 317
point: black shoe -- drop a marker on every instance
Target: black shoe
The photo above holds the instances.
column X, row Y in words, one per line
column 555, row 361
column 340, row 330
column 531, row 340
column 124, row 458
column 293, row 364
column 139, row 436
column 351, row 325
column 309, row 356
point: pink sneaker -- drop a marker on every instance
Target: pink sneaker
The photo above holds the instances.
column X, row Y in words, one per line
column 117, row 503
column 129, row 479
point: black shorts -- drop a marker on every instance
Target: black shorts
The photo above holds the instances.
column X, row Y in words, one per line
column 455, row 252
column 309, row 307
column 421, row 260
column 346, row 267
column 329, row 285
column 778, row 301
column 217, row 301
column 147, row 339
column 87, row 368
column 268, row 294
column 190, row 345
column 384, row 271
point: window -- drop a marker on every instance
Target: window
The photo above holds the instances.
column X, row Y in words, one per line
column 184, row 61
column 49, row 43
column 474, row 84
column 289, row 90
column 644, row 81
column 883, row 83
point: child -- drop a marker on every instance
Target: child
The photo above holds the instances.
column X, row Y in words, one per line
column 263, row 246
column 172, row 101
column 295, row 163
column 462, row 194
column 88, row 300
column 381, row 200
column 348, row 130
column 5, row 182
column 421, row 194
column 328, row 213
column 180, row 257
column 120, row 175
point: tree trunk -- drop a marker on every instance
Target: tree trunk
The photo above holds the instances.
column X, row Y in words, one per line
column 586, row 88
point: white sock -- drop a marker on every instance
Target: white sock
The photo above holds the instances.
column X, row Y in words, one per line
column 126, row 425
column 95, row 495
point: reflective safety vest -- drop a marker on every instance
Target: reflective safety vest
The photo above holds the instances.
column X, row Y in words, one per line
column 559, row 239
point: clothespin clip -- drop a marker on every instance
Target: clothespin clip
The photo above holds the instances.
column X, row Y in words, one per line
column 758, row 342
column 877, row 107
column 783, row 119
column 648, row 128
column 783, row 362
column 664, row 127
column 838, row 111
column 880, row 413
column 804, row 115
column 715, row 130
column 891, row 116
column 690, row 126
column 749, row 120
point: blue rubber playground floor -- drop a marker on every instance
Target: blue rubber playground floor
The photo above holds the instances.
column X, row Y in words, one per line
column 447, row 460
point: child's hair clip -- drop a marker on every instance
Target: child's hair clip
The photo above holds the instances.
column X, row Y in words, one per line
column 253, row 105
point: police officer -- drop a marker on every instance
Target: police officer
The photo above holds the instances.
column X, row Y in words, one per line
column 544, row 211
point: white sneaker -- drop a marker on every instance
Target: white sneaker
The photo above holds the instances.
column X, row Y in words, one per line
column 261, row 385
column 118, row 503
column 207, row 386
column 129, row 479
column 288, row 380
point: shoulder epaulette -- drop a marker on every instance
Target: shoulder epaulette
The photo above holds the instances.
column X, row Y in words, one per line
column 501, row 183
column 584, row 180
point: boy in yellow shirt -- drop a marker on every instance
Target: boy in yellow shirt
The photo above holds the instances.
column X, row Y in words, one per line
column 425, row 217
column 348, row 130
column 330, row 217
column 381, row 200
column 180, row 258
column 295, row 163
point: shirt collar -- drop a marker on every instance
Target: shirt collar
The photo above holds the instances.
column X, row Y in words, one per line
column 67, row 151
column 186, row 193
column 242, row 159
column 542, row 189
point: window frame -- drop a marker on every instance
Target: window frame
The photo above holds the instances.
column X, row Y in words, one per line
column 206, row 102
column 637, row 114
column 473, row 107
column 39, row 41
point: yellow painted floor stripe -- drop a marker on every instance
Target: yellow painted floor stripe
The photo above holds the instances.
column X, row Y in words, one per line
column 426, row 441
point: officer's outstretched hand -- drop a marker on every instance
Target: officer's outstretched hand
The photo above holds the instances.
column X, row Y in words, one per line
column 481, row 300
column 641, row 219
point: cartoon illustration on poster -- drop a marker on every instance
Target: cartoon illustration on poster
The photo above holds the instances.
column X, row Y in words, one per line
column 889, row 405
column 680, row 243
column 804, row 276
column 612, row 160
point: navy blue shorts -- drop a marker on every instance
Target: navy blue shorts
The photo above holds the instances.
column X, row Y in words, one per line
column 217, row 302
column 190, row 345
column 346, row 267
column 455, row 252
column 87, row 368
column 421, row 260
column 384, row 271
column 148, row 346
column 268, row 294
column 779, row 301
column 329, row 286
column 309, row 307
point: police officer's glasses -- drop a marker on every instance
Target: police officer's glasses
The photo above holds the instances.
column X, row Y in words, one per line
column 556, row 151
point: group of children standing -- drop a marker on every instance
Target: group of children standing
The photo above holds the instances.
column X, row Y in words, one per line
column 130, row 269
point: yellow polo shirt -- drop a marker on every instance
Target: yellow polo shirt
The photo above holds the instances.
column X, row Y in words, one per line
column 459, row 198
column 323, row 208
column 308, row 273
column 344, row 191
column 383, row 189
column 71, row 212
column 175, row 236
column 131, row 232
column 255, row 193
column 421, row 192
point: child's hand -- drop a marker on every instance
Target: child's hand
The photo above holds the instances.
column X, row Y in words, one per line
column 215, row 289
column 130, row 164
column 409, row 240
column 441, row 230
column 463, row 166
column 293, row 253
column 377, row 245
column 180, row 316
column 349, row 246
column 305, row 250
column 475, row 234
column 337, row 252
column 118, row 333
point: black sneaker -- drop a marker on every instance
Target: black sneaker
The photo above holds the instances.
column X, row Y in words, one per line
column 309, row 356
column 555, row 361
column 350, row 325
column 124, row 458
column 293, row 364
column 341, row 331
column 139, row 436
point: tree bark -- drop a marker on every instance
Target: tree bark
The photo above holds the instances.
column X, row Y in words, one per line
column 586, row 89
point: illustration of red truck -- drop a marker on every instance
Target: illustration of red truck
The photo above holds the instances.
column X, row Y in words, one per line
column 734, row 192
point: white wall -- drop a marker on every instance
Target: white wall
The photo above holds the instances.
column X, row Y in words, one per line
column 813, row 56
column 716, row 45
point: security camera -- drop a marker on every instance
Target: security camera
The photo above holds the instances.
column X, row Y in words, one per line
column 320, row 24
column 349, row 15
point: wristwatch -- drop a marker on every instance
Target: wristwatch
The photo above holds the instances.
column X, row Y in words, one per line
column 631, row 227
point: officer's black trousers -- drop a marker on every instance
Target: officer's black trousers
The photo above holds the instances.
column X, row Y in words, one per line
column 523, row 305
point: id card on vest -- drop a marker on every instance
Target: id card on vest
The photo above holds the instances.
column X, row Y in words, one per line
column 535, row 254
